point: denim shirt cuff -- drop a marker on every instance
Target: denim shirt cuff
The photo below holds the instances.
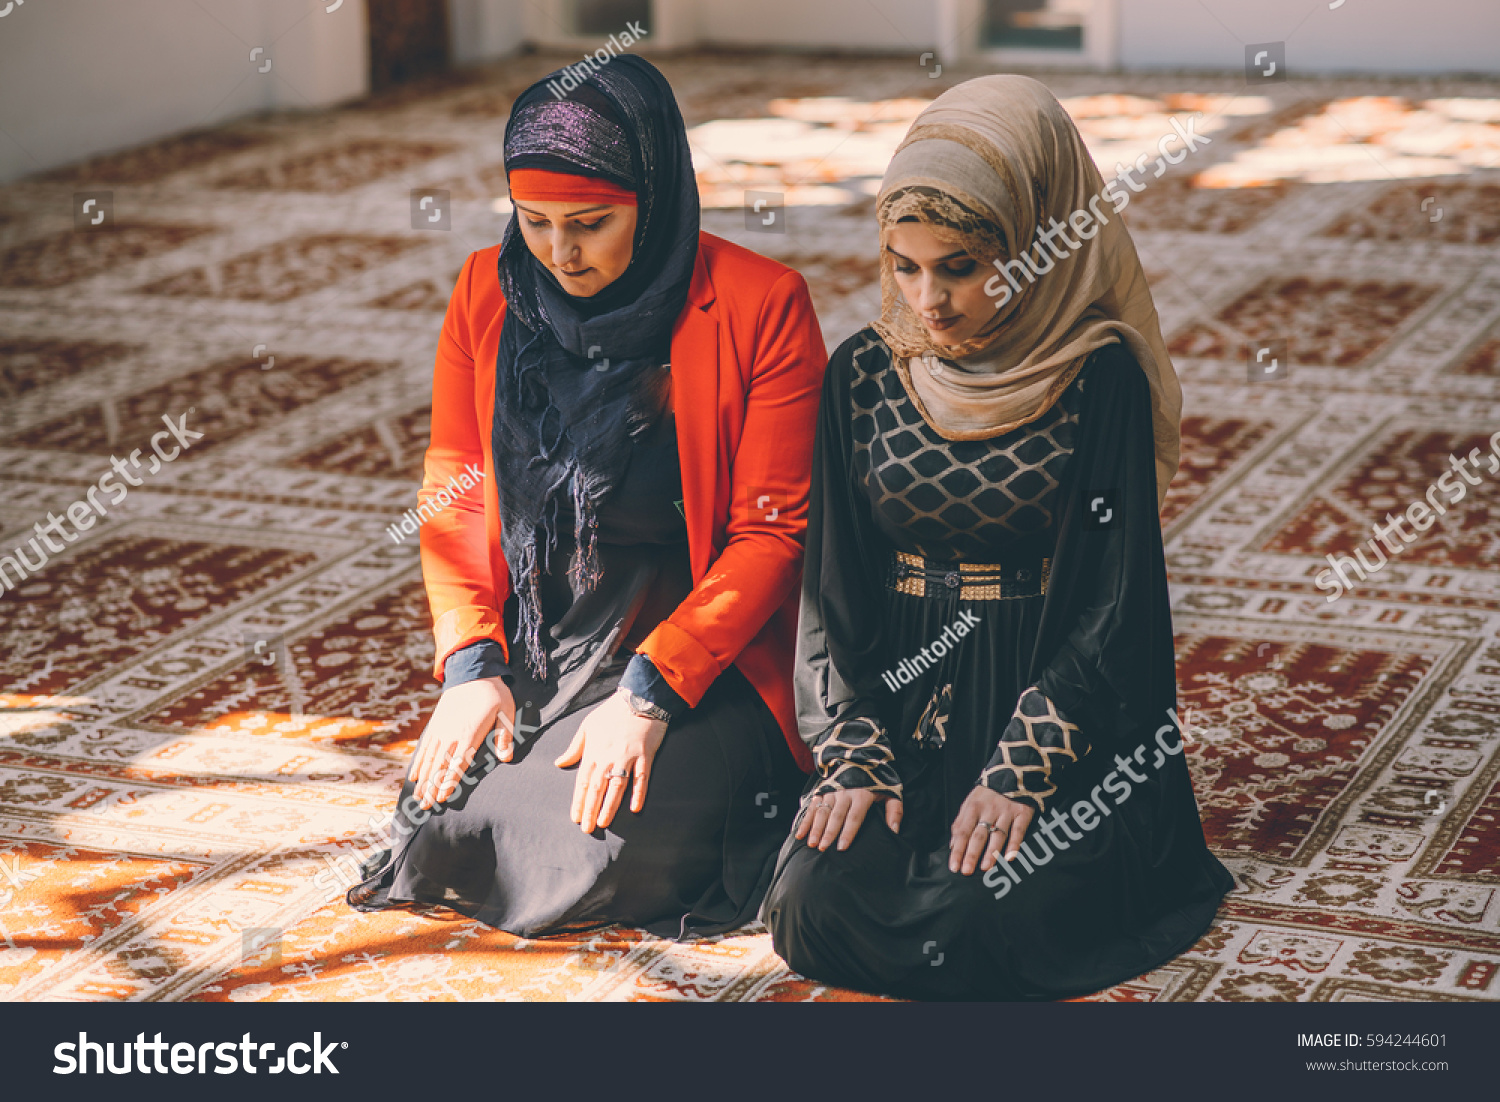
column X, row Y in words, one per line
column 484, row 658
column 644, row 679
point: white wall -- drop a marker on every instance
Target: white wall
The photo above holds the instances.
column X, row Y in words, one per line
column 675, row 25
column 479, row 30
column 885, row 25
column 79, row 77
column 1376, row 36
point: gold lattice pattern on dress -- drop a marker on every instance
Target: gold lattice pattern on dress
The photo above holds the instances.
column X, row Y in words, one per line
column 856, row 754
column 956, row 498
column 1036, row 746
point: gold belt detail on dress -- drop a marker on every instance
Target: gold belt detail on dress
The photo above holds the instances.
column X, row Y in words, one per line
column 974, row 581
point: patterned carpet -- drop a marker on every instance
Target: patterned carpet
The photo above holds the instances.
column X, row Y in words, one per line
column 209, row 696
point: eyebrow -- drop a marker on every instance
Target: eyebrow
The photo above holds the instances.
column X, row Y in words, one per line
column 939, row 260
column 570, row 214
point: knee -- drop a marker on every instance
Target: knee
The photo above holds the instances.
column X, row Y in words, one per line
column 802, row 900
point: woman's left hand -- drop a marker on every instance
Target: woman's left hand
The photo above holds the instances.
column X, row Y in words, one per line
column 612, row 739
column 973, row 840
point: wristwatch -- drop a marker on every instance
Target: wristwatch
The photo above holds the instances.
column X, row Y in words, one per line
column 644, row 708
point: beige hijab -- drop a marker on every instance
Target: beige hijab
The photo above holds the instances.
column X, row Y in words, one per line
column 986, row 166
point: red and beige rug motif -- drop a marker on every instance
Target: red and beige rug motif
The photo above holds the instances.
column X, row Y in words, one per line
column 208, row 698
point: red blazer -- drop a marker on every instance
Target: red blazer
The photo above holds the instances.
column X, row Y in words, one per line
column 747, row 368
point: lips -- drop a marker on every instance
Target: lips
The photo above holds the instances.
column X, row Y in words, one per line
column 942, row 323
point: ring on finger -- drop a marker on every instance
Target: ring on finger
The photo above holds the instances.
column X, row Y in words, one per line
column 986, row 826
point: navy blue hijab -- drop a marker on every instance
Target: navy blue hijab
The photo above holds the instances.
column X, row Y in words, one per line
column 577, row 378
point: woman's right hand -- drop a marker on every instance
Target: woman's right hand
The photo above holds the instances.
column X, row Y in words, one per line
column 464, row 717
column 838, row 816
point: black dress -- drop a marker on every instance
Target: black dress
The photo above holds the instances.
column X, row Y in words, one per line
column 991, row 612
column 698, row 856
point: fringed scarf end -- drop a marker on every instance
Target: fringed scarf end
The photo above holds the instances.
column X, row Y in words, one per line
column 585, row 572
column 529, row 602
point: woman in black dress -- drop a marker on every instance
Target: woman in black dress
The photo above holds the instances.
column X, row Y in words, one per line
column 985, row 644
column 613, row 504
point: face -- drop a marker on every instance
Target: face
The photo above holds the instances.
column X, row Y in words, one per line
column 944, row 287
column 586, row 245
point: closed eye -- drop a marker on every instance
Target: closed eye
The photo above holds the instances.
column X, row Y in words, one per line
column 956, row 270
column 588, row 227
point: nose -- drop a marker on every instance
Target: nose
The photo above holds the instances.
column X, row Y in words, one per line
column 564, row 249
column 932, row 297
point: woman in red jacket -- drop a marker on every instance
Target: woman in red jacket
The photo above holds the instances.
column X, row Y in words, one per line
column 613, row 509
